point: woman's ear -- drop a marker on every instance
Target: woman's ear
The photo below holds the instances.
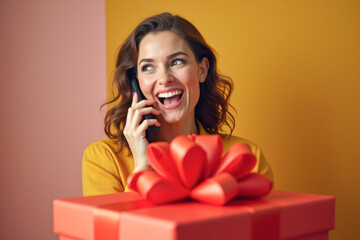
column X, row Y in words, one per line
column 203, row 69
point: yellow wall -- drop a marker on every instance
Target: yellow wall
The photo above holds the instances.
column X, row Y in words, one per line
column 296, row 71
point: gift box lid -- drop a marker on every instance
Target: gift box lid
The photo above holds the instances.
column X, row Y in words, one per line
column 280, row 215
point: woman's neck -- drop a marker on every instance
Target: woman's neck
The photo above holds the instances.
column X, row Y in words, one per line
column 168, row 131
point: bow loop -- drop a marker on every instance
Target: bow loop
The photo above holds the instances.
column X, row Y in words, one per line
column 189, row 159
column 217, row 190
column 213, row 147
column 158, row 190
column 254, row 185
column 238, row 161
column 162, row 162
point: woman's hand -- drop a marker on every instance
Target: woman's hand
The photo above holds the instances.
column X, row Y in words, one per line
column 134, row 131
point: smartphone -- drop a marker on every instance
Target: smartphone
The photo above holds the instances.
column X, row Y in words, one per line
column 152, row 131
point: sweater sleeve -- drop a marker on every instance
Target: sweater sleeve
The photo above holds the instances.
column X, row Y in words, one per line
column 263, row 166
column 100, row 172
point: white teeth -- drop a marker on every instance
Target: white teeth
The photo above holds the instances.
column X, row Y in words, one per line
column 169, row 94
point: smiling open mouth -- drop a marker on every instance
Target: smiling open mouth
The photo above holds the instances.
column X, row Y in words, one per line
column 170, row 98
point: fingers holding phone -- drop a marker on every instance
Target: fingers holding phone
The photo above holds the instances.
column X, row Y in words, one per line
column 135, row 129
column 140, row 110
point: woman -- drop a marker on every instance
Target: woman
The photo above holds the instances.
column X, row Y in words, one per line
column 178, row 76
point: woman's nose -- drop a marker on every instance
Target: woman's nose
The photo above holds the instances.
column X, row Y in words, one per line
column 165, row 77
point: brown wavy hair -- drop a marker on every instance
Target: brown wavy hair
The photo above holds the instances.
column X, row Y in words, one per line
column 212, row 109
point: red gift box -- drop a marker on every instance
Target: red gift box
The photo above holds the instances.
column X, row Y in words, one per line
column 280, row 215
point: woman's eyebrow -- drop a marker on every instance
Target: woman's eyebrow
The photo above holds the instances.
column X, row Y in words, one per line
column 177, row 54
column 146, row 60
column 168, row 57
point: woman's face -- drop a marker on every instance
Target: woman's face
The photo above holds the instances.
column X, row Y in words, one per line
column 169, row 73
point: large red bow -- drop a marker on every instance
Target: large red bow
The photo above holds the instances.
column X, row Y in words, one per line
column 192, row 167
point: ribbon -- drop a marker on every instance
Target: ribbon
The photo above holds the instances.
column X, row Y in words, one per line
column 107, row 218
column 264, row 218
column 192, row 166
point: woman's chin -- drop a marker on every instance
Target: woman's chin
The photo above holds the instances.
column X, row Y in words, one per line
column 170, row 120
column 176, row 117
column 171, row 117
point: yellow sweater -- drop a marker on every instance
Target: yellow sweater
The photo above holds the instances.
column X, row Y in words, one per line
column 105, row 171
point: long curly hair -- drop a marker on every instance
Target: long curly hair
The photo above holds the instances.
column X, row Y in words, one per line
column 212, row 109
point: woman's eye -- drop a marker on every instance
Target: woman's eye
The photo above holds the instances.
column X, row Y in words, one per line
column 146, row 68
column 177, row 62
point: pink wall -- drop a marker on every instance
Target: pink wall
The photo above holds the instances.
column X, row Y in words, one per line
column 52, row 82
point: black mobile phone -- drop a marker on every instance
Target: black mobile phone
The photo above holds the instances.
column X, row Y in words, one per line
column 152, row 131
